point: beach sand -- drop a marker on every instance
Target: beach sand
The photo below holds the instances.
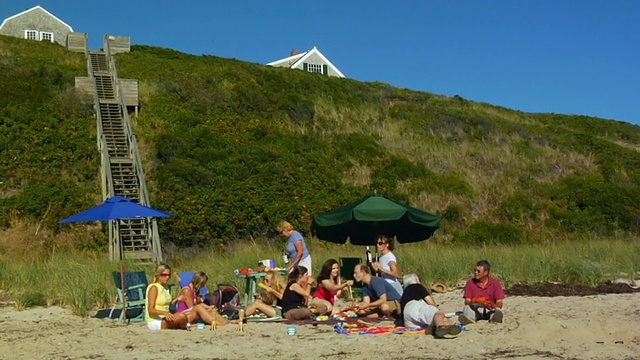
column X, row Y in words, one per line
column 580, row 327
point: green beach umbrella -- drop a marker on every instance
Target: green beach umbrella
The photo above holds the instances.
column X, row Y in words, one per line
column 362, row 221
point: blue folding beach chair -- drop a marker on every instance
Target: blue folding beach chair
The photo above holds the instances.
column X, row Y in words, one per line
column 184, row 278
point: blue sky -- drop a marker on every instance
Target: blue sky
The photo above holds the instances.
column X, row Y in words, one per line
column 571, row 57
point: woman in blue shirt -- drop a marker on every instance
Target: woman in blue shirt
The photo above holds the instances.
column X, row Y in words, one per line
column 296, row 247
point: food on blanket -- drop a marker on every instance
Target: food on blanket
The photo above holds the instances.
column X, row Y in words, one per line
column 322, row 318
column 344, row 315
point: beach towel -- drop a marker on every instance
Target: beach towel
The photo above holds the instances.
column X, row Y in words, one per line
column 364, row 329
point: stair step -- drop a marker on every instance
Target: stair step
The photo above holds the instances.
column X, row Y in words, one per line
column 138, row 255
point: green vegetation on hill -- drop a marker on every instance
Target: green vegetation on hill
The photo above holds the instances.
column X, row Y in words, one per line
column 49, row 162
column 232, row 148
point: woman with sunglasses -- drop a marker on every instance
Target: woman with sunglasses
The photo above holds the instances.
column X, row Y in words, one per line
column 272, row 293
column 387, row 265
column 296, row 247
column 159, row 300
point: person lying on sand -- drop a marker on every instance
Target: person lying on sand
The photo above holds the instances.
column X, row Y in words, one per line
column 419, row 309
column 378, row 296
column 483, row 297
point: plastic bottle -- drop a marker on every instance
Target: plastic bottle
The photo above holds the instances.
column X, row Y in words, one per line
column 368, row 254
column 462, row 327
column 285, row 257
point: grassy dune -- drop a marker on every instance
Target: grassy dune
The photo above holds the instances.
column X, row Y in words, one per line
column 48, row 269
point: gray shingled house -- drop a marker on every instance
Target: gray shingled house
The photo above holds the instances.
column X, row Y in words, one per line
column 36, row 24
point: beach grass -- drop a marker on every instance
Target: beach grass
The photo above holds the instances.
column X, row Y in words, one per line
column 83, row 281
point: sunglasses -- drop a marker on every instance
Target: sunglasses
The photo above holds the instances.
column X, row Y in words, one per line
column 381, row 243
column 477, row 271
column 164, row 275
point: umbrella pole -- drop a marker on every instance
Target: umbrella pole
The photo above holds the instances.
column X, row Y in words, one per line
column 124, row 293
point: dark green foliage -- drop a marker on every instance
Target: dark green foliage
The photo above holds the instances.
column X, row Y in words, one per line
column 235, row 147
column 592, row 203
column 448, row 184
column 484, row 232
column 48, row 153
column 517, row 208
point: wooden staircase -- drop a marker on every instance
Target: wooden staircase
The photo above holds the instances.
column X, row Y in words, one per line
column 121, row 166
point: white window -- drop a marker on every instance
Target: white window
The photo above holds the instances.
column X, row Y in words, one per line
column 46, row 36
column 314, row 68
column 31, row 35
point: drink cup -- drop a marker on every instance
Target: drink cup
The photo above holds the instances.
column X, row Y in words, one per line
column 291, row 330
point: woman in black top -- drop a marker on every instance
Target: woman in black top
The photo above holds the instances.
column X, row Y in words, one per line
column 296, row 294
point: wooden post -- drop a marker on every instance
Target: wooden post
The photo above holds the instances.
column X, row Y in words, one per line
column 124, row 293
column 241, row 320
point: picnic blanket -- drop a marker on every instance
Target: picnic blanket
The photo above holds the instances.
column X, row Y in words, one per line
column 365, row 329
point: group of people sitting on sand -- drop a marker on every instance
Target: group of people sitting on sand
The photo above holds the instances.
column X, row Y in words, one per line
column 382, row 295
column 190, row 309
column 293, row 300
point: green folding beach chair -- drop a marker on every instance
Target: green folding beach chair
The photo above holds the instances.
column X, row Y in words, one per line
column 135, row 287
column 347, row 264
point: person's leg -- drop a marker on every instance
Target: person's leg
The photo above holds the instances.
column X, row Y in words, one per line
column 299, row 314
column 390, row 308
column 252, row 308
column 444, row 328
column 469, row 315
column 268, row 310
column 180, row 321
column 199, row 311
column 322, row 306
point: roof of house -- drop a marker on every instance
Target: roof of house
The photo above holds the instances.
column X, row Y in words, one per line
column 36, row 8
column 297, row 59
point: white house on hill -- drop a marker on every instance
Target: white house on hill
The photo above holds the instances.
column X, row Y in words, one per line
column 311, row 61
column 36, row 24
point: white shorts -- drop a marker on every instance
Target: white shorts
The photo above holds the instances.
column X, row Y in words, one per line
column 306, row 262
column 418, row 313
column 155, row 325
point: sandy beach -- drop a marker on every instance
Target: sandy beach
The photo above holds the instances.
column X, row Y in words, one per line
column 580, row 327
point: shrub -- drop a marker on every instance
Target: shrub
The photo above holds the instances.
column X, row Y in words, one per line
column 483, row 232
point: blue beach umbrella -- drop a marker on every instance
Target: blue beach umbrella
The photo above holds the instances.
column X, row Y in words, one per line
column 115, row 208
